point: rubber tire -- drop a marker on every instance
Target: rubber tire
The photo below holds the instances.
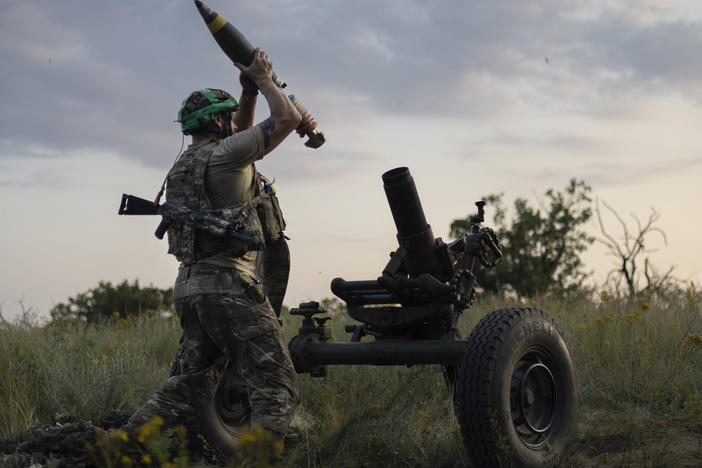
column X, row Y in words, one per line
column 222, row 421
column 502, row 345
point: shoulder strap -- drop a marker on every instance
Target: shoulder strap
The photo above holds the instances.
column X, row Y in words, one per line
column 255, row 176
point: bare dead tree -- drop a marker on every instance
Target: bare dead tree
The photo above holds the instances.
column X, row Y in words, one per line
column 630, row 251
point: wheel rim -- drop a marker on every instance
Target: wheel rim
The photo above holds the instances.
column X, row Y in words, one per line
column 231, row 403
column 534, row 398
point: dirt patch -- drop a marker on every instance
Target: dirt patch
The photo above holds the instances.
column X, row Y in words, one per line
column 595, row 445
column 57, row 445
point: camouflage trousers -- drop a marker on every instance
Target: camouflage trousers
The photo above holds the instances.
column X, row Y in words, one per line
column 229, row 319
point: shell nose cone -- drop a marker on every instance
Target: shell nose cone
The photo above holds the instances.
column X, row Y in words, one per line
column 204, row 10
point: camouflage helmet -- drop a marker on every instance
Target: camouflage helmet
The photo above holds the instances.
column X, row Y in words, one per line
column 197, row 109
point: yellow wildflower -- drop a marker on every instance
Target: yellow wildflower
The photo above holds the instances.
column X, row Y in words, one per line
column 257, row 441
column 601, row 321
column 247, row 437
column 605, row 296
column 693, row 339
column 150, row 430
column 631, row 317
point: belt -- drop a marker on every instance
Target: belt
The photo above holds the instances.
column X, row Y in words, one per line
column 199, row 266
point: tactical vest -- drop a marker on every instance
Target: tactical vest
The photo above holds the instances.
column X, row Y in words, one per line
column 260, row 219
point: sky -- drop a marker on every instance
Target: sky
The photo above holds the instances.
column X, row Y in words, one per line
column 475, row 97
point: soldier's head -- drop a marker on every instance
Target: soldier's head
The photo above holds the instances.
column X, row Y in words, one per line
column 207, row 110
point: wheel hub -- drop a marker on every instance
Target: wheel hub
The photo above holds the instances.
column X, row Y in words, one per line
column 537, row 395
column 533, row 399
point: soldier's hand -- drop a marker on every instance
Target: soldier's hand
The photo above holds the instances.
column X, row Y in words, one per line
column 260, row 68
column 307, row 124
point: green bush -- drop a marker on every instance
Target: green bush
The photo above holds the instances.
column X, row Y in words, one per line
column 108, row 302
column 541, row 246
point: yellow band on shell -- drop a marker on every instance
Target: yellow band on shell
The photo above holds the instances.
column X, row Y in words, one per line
column 216, row 24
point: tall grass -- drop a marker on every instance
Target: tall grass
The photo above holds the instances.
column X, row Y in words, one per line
column 638, row 368
column 81, row 370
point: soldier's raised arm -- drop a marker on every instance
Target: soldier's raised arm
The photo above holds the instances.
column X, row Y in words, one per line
column 244, row 116
column 284, row 117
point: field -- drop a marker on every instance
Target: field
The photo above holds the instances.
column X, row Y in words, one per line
column 637, row 362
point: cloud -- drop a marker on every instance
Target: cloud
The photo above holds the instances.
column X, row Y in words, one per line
column 570, row 143
column 68, row 84
column 627, row 57
column 111, row 78
column 306, row 166
column 609, row 174
column 476, row 54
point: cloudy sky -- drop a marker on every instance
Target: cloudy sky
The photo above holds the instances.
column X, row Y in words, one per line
column 475, row 97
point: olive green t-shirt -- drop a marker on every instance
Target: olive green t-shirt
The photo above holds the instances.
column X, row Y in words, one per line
column 229, row 181
column 229, row 175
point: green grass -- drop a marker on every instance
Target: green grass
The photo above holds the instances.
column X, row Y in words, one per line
column 81, row 370
column 638, row 368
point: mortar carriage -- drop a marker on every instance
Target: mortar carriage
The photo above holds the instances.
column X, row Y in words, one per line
column 512, row 380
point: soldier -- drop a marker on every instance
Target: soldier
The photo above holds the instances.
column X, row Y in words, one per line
column 219, row 299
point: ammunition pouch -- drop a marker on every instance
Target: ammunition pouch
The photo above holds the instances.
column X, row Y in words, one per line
column 181, row 241
column 270, row 215
column 259, row 219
